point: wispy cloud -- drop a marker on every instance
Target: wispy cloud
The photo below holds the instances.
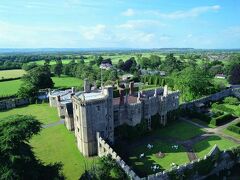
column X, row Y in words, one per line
column 180, row 14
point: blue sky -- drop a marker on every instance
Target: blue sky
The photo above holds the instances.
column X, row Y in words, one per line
column 119, row 23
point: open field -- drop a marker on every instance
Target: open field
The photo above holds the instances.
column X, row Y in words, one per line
column 144, row 164
column 9, row 87
column 57, row 144
column 15, row 73
column 43, row 112
column 203, row 147
column 66, row 82
column 64, row 61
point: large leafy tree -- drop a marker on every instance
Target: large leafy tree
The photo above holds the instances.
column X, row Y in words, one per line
column 192, row 82
column 35, row 79
column 17, row 160
column 171, row 64
column 58, row 68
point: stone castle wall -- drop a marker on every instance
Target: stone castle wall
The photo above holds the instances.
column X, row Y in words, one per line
column 214, row 97
column 13, row 103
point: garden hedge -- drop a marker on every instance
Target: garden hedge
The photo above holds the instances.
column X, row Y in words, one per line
column 221, row 119
column 234, row 128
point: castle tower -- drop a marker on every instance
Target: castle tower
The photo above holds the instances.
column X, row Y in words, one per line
column 93, row 112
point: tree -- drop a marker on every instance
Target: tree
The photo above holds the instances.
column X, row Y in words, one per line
column 107, row 168
column 192, row 82
column 234, row 77
column 35, row 79
column 17, row 160
column 58, row 68
column 171, row 64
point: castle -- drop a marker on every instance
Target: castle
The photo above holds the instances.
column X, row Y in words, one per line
column 96, row 110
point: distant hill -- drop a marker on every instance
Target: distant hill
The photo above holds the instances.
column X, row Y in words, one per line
column 101, row 50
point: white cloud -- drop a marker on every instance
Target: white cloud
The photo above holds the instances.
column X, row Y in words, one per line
column 129, row 12
column 180, row 14
column 91, row 33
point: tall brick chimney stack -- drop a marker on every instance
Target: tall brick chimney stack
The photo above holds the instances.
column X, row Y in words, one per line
column 131, row 88
column 59, row 98
column 87, row 88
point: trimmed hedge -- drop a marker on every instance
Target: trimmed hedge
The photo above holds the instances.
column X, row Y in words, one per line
column 221, row 119
column 234, row 128
column 9, row 79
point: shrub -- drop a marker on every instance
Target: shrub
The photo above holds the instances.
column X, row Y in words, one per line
column 222, row 107
column 221, row 119
column 231, row 100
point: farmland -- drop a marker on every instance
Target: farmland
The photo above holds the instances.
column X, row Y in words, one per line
column 6, row 74
column 11, row 87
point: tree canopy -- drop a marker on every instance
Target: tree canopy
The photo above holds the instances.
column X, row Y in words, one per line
column 17, row 160
column 37, row 78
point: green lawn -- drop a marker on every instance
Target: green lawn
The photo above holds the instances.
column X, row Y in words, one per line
column 180, row 130
column 203, row 147
column 67, row 82
column 231, row 133
column 15, row 73
column 43, row 112
column 9, row 87
column 57, row 144
column 143, row 165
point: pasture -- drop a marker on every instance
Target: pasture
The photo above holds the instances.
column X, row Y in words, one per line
column 8, row 88
column 11, row 87
column 67, row 82
column 15, row 73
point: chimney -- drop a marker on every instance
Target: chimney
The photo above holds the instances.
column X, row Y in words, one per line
column 121, row 93
column 139, row 96
column 155, row 93
column 86, row 86
column 73, row 90
column 49, row 91
column 58, row 98
column 165, row 91
column 131, row 88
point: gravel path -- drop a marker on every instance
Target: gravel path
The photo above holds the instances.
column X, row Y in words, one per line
column 61, row 121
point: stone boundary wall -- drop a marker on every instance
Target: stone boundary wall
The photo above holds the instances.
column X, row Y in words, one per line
column 213, row 97
column 13, row 103
column 104, row 149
